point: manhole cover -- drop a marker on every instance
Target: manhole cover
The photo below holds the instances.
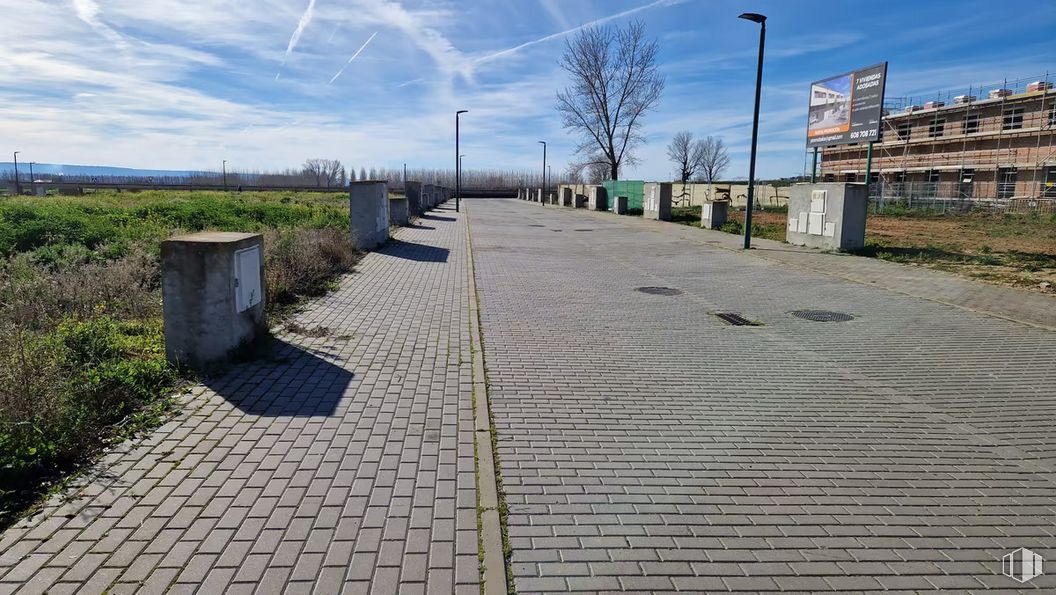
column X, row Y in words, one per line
column 659, row 290
column 822, row 316
column 536, row 225
column 582, row 230
column 736, row 319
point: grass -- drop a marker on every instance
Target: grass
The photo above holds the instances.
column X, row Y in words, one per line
column 1010, row 250
column 82, row 361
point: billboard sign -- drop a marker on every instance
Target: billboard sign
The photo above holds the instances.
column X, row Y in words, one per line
column 847, row 108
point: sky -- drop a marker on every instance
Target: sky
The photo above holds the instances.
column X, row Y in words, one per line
column 265, row 84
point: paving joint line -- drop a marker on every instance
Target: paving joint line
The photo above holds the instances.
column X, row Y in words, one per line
column 489, row 524
column 806, row 267
column 1021, row 458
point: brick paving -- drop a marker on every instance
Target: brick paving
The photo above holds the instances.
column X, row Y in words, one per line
column 343, row 464
column 646, row 445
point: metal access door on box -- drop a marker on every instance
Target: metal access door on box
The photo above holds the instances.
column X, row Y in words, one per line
column 247, row 278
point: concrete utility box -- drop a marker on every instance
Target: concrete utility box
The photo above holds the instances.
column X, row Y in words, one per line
column 413, row 190
column 656, row 203
column 564, row 197
column 829, row 215
column 427, row 196
column 212, row 288
column 713, row 214
column 596, row 199
column 579, row 201
column 619, row 205
column 399, row 213
column 368, row 213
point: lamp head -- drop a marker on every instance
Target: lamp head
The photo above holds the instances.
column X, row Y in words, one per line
column 542, row 142
column 754, row 17
column 462, row 111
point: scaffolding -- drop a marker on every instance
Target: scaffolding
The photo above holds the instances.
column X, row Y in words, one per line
column 962, row 148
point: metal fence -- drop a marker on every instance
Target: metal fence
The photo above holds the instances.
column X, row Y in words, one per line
column 952, row 197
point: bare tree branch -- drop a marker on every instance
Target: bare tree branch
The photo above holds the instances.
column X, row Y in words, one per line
column 713, row 159
column 614, row 81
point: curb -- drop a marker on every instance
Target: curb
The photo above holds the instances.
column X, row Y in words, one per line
column 489, row 527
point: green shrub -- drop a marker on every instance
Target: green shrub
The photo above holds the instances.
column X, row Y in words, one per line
column 59, row 391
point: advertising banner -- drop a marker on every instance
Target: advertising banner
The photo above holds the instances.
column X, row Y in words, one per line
column 847, row 108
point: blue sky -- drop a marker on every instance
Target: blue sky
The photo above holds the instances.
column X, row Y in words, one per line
column 183, row 84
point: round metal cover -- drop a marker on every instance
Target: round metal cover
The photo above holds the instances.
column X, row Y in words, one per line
column 659, row 290
column 822, row 316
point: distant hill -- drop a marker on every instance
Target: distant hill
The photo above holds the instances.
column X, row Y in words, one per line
column 91, row 170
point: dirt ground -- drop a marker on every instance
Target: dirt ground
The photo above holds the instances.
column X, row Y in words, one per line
column 1011, row 250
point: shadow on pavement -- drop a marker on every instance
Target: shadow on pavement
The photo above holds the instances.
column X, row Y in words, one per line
column 438, row 218
column 412, row 251
column 288, row 380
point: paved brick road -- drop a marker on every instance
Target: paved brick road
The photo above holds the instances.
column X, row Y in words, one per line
column 646, row 445
column 343, row 465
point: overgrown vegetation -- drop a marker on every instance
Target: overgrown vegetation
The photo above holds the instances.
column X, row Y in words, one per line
column 82, row 358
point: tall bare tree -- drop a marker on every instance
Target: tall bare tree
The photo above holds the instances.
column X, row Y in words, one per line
column 615, row 81
column 685, row 154
column 325, row 172
column 714, row 159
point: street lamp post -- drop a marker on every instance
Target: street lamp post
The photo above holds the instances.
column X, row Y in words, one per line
column 460, row 169
column 549, row 175
column 546, row 187
column 32, row 181
column 755, row 18
column 224, row 166
column 18, row 191
column 458, row 160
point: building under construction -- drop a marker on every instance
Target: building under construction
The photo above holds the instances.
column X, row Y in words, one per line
column 990, row 144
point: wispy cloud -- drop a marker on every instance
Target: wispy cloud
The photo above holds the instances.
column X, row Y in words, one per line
column 88, row 11
column 552, row 36
column 354, row 56
column 302, row 24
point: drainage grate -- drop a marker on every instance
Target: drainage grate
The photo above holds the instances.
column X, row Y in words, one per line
column 822, row 316
column 587, row 229
column 736, row 319
column 659, row 290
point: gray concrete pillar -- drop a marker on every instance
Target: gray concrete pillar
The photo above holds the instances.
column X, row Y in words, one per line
column 656, row 203
column 828, row 215
column 564, row 199
column 596, row 199
column 368, row 214
column 399, row 211
column 413, row 190
column 212, row 295
column 713, row 214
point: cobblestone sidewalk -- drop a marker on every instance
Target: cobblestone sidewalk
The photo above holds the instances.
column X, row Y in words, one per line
column 343, row 464
column 646, row 445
